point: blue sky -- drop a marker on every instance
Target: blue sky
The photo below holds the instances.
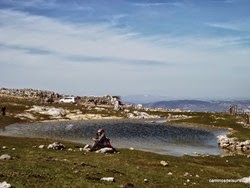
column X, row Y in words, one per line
column 178, row 49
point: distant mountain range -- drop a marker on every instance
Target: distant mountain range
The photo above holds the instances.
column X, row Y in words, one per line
column 199, row 105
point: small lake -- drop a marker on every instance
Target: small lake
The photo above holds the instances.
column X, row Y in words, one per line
column 157, row 137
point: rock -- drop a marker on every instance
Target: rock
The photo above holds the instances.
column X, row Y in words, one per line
column 116, row 105
column 5, row 157
column 233, row 144
column 245, row 180
column 56, row 146
column 106, row 150
column 186, row 174
column 5, row 185
column 164, row 163
column 170, row 173
column 13, row 149
column 4, row 147
column 145, row 180
column 109, row 179
column 131, row 148
column 41, row 146
column 197, row 176
column 70, row 149
column 55, row 112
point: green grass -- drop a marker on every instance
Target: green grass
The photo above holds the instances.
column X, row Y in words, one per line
column 218, row 120
column 33, row 167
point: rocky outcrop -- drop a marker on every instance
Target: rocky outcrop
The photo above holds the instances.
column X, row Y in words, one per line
column 31, row 93
column 233, row 144
column 51, row 111
column 50, row 96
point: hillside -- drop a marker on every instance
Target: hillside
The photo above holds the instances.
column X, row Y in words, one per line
column 199, row 105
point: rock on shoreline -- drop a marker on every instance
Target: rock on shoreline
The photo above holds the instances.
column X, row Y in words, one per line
column 233, row 144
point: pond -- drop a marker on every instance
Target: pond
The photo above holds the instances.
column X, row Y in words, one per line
column 157, row 137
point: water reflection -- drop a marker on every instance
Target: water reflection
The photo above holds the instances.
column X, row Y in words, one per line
column 155, row 137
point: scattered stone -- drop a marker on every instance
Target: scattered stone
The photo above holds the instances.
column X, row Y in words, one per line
column 197, row 176
column 5, row 157
column 13, row 149
column 109, row 179
column 164, row 163
column 4, row 147
column 188, row 180
column 226, row 161
column 5, row 185
column 186, row 174
column 170, row 173
column 41, row 146
column 145, row 180
column 56, row 146
column 248, row 156
column 131, row 148
column 70, row 149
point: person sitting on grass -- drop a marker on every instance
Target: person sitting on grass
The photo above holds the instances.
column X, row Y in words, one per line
column 101, row 141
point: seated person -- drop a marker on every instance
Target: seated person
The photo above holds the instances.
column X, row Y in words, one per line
column 100, row 141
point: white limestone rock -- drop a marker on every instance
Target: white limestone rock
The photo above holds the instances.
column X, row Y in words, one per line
column 109, row 179
column 105, row 150
column 5, row 185
column 56, row 146
column 5, row 157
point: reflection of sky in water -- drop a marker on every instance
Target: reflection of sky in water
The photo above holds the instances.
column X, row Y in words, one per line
column 154, row 137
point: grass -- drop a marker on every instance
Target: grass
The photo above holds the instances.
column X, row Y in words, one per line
column 34, row 167
column 218, row 120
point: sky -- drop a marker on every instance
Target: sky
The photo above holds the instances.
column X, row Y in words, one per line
column 181, row 49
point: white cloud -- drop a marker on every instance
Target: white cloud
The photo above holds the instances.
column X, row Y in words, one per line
column 239, row 25
column 39, row 50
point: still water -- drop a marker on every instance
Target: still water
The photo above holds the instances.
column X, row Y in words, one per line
column 155, row 137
